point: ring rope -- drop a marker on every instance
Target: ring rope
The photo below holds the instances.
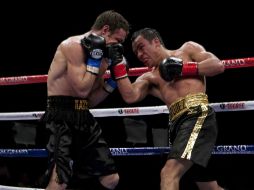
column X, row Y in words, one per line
column 16, row 80
column 138, row 151
column 131, row 111
column 4, row 187
column 222, row 149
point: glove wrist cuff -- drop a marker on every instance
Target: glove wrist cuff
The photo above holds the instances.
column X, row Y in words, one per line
column 93, row 70
column 93, row 65
column 109, row 86
column 190, row 69
column 120, row 71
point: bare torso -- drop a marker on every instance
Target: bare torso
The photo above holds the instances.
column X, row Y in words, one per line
column 169, row 92
column 68, row 66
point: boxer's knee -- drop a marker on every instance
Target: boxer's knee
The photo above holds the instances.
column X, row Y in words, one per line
column 109, row 181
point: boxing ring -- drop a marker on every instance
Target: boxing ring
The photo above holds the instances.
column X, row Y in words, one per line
column 247, row 149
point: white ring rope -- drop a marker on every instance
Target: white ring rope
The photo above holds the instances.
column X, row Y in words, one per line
column 132, row 111
column 3, row 187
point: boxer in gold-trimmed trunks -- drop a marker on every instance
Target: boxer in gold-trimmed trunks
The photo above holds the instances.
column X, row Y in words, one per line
column 177, row 77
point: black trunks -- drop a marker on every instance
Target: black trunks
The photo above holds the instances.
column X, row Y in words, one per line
column 193, row 129
column 75, row 143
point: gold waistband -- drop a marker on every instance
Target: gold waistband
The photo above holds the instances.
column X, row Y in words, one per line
column 181, row 105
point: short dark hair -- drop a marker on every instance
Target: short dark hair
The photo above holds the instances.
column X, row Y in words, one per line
column 149, row 34
column 112, row 18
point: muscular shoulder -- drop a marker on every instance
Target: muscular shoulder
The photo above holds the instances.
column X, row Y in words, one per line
column 71, row 43
column 151, row 81
column 192, row 46
column 150, row 78
column 146, row 76
column 71, row 47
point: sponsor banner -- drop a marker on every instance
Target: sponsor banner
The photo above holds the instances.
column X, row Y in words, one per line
column 132, row 111
column 139, row 151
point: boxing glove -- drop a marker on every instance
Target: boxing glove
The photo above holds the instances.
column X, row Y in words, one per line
column 117, row 63
column 172, row 67
column 94, row 47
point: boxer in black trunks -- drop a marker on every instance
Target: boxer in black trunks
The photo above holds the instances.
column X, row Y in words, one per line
column 192, row 129
column 77, row 151
column 177, row 77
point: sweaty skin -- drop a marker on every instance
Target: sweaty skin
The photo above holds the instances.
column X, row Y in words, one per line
column 152, row 83
column 67, row 74
column 151, row 52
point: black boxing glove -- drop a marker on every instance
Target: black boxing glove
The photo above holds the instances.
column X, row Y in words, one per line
column 172, row 67
column 117, row 63
column 94, row 47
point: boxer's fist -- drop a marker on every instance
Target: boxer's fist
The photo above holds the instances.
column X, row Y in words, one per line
column 94, row 47
column 172, row 67
column 117, row 63
column 114, row 52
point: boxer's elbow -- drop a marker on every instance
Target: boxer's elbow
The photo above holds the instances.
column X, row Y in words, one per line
column 221, row 67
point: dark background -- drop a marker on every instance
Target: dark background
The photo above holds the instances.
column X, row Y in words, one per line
column 30, row 33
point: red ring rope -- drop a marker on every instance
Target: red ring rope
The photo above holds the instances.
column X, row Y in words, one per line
column 229, row 64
